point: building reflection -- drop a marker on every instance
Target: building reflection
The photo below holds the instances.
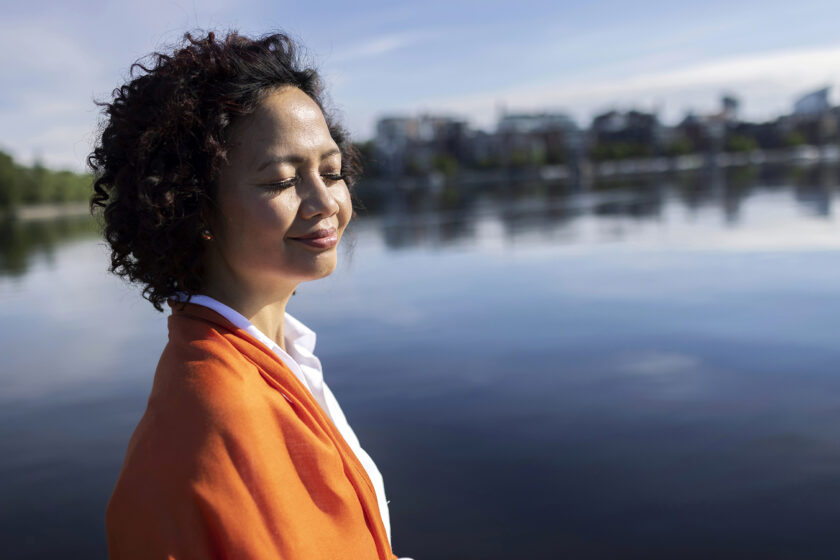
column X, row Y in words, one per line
column 448, row 216
column 814, row 189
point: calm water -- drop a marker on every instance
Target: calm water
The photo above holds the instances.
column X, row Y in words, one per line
column 646, row 371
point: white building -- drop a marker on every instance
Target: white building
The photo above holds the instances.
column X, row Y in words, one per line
column 813, row 103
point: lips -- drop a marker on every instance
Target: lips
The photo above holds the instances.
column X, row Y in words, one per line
column 324, row 238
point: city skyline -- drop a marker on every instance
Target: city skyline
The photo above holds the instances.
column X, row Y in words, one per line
column 455, row 58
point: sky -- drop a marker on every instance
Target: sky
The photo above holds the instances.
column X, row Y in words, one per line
column 466, row 59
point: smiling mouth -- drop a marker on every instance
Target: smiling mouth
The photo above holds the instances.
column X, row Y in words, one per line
column 320, row 239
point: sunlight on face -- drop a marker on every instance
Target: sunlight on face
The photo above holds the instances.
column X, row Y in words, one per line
column 283, row 204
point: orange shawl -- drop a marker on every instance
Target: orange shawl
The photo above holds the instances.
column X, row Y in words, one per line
column 233, row 458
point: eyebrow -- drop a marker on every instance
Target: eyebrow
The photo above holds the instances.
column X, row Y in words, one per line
column 295, row 159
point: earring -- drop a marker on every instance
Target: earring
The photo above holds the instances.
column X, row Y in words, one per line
column 206, row 235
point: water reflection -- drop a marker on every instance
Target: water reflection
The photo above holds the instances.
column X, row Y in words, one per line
column 815, row 187
column 454, row 215
column 21, row 242
column 450, row 216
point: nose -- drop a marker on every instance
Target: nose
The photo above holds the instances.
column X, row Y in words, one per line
column 317, row 199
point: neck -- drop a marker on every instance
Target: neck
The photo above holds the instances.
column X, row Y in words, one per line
column 260, row 300
column 267, row 313
column 270, row 319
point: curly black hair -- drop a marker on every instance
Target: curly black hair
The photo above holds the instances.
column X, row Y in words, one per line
column 164, row 139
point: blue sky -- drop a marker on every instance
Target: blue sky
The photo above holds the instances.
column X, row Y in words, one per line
column 458, row 58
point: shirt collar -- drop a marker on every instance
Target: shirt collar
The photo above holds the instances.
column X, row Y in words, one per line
column 298, row 334
column 295, row 333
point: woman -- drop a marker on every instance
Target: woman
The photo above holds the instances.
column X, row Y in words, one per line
column 225, row 185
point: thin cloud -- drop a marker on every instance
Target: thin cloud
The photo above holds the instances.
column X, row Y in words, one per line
column 377, row 47
column 766, row 82
column 659, row 363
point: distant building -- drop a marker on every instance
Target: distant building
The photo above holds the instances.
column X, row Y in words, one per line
column 618, row 134
column 529, row 123
column 393, row 136
column 813, row 103
column 770, row 135
column 729, row 108
column 813, row 121
column 411, row 145
column 536, row 138
column 632, row 126
column 438, row 145
column 704, row 133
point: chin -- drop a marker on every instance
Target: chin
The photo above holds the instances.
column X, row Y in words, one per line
column 325, row 273
column 322, row 270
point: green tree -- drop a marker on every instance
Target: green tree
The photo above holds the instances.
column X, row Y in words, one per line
column 794, row 138
column 37, row 184
column 679, row 147
column 446, row 164
column 10, row 182
column 740, row 143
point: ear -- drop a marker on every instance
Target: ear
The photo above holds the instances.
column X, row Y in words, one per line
column 210, row 212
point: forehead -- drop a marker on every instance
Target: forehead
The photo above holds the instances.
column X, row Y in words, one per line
column 287, row 122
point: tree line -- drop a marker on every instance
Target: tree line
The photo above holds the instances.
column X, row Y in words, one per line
column 21, row 184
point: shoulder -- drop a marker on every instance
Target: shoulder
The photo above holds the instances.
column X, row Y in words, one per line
column 204, row 401
column 200, row 368
column 205, row 391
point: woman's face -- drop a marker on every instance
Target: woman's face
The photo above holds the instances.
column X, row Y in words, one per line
column 282, row 203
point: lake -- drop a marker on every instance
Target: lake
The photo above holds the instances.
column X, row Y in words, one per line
column 646, row 369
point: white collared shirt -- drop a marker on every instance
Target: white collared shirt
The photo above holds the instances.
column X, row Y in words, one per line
column 300, row 342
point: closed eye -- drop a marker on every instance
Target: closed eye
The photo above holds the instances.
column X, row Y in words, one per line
column 280, row 185
column 332, row 177
column 286, row 183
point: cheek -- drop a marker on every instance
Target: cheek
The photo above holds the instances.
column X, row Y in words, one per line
column 253, row 221
column 278, row 213
column 345, row 206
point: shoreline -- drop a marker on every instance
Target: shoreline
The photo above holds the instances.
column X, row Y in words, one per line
column 583, row 172
column 50, row 211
